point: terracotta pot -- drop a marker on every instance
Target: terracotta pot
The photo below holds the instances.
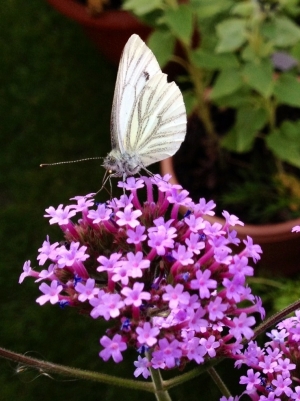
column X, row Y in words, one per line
column 109, row 32
column 281, row 247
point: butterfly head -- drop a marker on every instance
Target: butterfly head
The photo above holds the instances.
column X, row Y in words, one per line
column 122, row 164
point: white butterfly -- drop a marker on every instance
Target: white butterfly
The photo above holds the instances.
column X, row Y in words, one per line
column 148, row 119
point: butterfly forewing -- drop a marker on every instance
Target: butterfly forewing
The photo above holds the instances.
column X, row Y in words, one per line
column 137, row 66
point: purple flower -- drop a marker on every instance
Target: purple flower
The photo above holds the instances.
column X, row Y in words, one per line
column 83, row 202
column 169, row 351
column 241, row 326
column 87, row 291
column 67, row 257
column 27, row 271
column 183, row 256
column 216, row 309
column 176, row 296
column 195, row 223
column 252, row 250
column 112, row 303
column 180, row 198
column 161, row 238
column 44, row 274
column 108, row 264
column 174, row 285
column 128, row 217
column 131, row 184
column 203, row 283
column 252, row 379
column 204, row 207
column 51, row 293
column 136, row 236
column 193, row 243
column 112, row 348
column 147, row 334
column 47, row 251
column 102, row 213
column 136, row 295
column 141, row 365
column 210, row 345
column 135, row 264
column 60, row 216
column 282, row 385
column 231, row 219
column 296, row 394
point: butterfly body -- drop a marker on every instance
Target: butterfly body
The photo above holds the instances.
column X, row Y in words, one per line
column 123, row 164
column 148, row 119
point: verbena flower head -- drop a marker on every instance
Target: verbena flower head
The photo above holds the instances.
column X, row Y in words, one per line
column 170, row 284
column 273, row 370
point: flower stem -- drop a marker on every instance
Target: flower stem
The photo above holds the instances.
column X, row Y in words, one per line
column 160, row 393
column 219, row 382
column 77, row 373
column 275, row 318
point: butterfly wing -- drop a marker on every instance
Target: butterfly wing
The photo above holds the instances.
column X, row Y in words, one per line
column 137, row 65
column 157, row 125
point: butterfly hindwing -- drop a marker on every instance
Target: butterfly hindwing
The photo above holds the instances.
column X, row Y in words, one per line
column 158, row 123
column 137, row 65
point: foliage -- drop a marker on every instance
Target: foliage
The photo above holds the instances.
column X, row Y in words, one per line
column 238, row 54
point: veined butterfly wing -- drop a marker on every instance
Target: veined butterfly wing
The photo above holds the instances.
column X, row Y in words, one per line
column 158, row 124
column 148, row 120
column 137, row 64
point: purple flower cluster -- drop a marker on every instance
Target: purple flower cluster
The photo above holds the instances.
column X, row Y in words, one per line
column 273, row 375
column 170, row 284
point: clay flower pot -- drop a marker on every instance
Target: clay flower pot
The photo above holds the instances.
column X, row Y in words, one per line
column 109, row 32
column 281, row 247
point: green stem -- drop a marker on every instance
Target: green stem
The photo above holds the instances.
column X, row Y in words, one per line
column 180, row 379
column 277, row 317
column 161, row 393
column 197, row 78
column 266, row 282
column 76, row 373
column 219, row 382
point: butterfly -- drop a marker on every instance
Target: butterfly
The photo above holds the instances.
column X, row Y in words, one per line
column 148, row 118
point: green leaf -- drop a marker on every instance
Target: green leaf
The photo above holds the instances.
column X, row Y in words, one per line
column 211, row 8
column 227, row 82
column 249, row 121
column 180, row 21
column 259, row 77
column 244, row 9
column 142, row 7
column 162, row 44
column 232, row 34
column 287, row 90
column 285, row 142
column 235, row 100
column 295, row 51
column 211, row 61
column 282, row 32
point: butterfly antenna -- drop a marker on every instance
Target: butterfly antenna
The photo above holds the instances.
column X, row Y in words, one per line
column 70, row 161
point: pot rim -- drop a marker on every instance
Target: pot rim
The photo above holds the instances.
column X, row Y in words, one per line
column 262, row 233
column 108, row 19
